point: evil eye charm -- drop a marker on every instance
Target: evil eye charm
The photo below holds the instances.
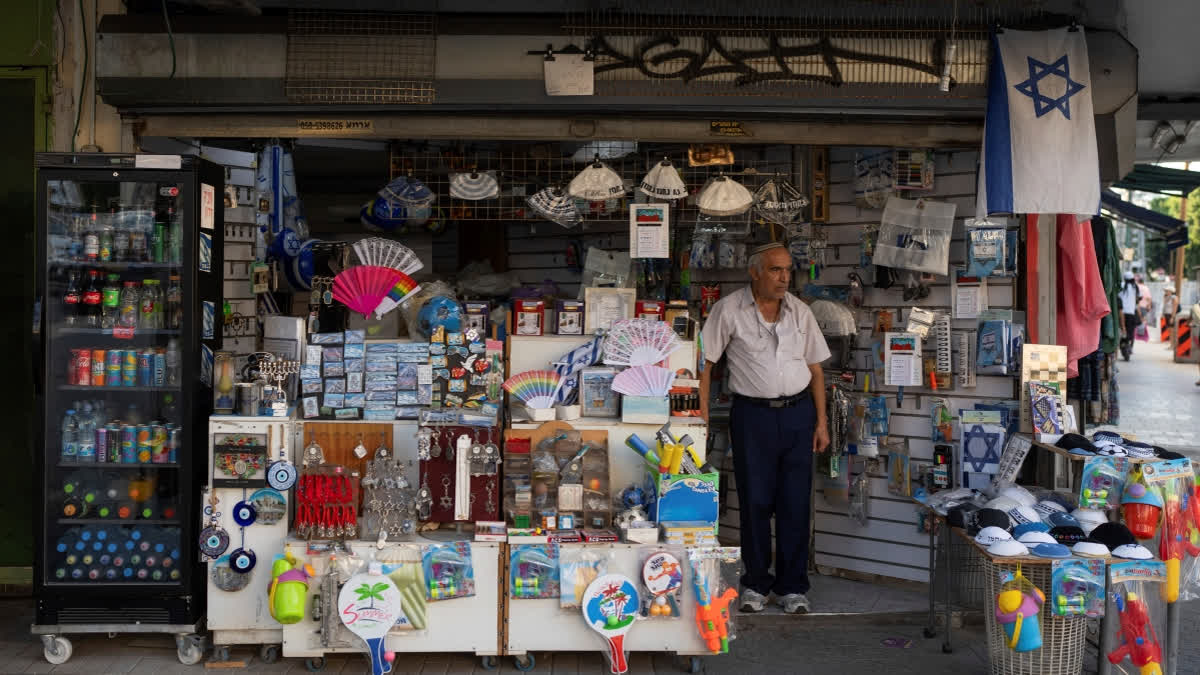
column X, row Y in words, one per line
column 242, row 560
column 213, row 541
column 244, row 514
column 281, row 475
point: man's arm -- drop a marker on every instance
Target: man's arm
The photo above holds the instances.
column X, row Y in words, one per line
column 817, row 388
column 705, row 383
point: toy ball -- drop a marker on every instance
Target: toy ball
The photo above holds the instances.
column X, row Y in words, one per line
column 611, row 621
column 298, row 269
column 383, row 216
column 594, row 484
column 389, row 656
column 440, row 311
column 633, row 496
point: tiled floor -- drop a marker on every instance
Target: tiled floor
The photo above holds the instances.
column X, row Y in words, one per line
column 1160, row 402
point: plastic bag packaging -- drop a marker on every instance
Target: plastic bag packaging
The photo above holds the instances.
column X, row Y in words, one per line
column 1174, row 482
column 662, row 576
column 1141, row 615
column 873, row 178
column 1190, row 573
column 444, row 309
column 577, row 568
column 915, row 235
column 1018, row 608
column 1077, row 588
column 860, row 498
column 731, row 254
column 1102, row 482
column 449, row 572
column 402, row 564
column 715, row 573
column 703, row 255
column 987, row 251
column 478, row 279
column 533, row 571
column 605, row 269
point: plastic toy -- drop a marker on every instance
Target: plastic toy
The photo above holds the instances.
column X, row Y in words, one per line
column 1101, row 482
column 448, row 572
column 1140, row 506
column 610, row 608
column 712, row 614
column 369, row 606
column 663, row 575
column 534, row 571
column 1078, row 588
column 1139, row 641
column 1176, row 539
column 289, row 589
column 1017, row 612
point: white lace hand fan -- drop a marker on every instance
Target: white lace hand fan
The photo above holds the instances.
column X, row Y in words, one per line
column 387, row 253
column 639, row 342
column 643, row 381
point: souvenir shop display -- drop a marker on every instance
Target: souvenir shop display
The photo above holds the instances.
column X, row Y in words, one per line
column 1141, row 614
column 1078, row 587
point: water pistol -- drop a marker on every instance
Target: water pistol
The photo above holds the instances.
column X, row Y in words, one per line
column 1176, row 539
column 668, row 446
column 712, row 615
column 642, row 449
column 1139, row 642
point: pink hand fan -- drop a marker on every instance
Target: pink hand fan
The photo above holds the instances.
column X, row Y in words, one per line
column 361, row 288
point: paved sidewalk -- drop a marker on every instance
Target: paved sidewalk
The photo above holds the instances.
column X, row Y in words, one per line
column 1160, row 402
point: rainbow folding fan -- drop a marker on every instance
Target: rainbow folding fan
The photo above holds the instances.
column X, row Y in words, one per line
column 535, row 388
column 362, row 288
column 644, row 381
column 404, row 290
column 639, row 342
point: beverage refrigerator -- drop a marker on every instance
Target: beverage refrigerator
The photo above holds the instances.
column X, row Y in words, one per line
column 129, row 298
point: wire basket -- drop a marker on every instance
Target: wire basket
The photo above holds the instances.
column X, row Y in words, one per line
column 967, row 585
column 1063, row 638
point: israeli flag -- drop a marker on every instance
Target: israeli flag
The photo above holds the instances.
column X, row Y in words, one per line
column 1039, row 141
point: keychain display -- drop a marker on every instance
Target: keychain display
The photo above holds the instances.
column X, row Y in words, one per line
column 390, row 504
column 448, row 571
column 578, row 568
column 662, row 575
column 326, row 504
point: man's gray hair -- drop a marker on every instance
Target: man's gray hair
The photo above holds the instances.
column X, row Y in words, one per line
column 755, row 261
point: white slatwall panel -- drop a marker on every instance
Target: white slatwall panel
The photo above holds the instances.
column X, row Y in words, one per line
column 889, row 543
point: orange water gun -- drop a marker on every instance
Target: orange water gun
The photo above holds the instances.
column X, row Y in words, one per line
column 1175, row 539
column 1139, row 642
column 712, row 615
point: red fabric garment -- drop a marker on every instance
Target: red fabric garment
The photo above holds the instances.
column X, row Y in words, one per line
column 1081, row 299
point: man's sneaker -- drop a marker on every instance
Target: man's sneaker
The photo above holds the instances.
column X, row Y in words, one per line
column 752, row 601
column 794, row 603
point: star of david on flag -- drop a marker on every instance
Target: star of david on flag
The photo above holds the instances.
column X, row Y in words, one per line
column 1039, row 141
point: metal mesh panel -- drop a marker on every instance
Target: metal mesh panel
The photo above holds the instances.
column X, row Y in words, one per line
column 523, row 168
column 849, row 48
column 360, row 57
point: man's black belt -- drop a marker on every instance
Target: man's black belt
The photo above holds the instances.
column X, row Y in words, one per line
column 781, row 402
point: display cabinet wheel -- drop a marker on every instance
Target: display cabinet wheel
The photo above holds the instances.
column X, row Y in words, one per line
column 524, row 663
column 694, row 664
column 221, row 654
column 190, row 650
column 268, row 653
column 946, row 648
column 56, row 648
column 315, row 665
column 489, row 662
column 929, row 632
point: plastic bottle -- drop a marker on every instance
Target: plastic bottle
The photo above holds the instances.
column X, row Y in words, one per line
column 120, row 240
column 70, row 437
column 150, row 305
column 110, row 301
column 72, row 298
column 106, row 239
column 138, row 246
column 133, row 415
column 75, row 239
column 127, row 314
column 174, row 304
column 92, row 299
column 172, row 363
column 86, row 435
column 91, row 238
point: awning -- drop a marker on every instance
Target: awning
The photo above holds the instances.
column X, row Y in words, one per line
column 1160, row 179
column 1173, row 230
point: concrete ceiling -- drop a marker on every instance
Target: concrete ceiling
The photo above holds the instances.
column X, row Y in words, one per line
column 1165, row 32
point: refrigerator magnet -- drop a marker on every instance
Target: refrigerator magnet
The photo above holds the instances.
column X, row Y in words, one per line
column 206, row 365
column 205, row 262
column 209, row 313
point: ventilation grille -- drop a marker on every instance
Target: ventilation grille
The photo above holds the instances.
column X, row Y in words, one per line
column 360, row 57
column 776, row 48
column 97, row 615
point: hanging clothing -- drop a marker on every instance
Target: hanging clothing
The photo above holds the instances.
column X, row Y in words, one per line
column 1082, row 302
column 1104, row 238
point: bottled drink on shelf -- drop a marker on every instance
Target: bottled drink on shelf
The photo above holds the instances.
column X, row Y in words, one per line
column 133, row 414
column 137, row 242
column 120, row 241
column 91, row 238
column 110, row 303
column 92, row 299
column 172, row 364
column 151, row 305
column 70, row 437
column 159, row 250
column 75, row 239
column 174, row 303
column 106, row 238
column 86, row 435
column 72, row 299
column 130, row 307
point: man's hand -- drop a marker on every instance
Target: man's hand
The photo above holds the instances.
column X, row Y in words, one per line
column 821, row 438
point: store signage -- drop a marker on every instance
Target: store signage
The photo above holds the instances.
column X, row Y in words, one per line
column 726, row 128
column 327, row 127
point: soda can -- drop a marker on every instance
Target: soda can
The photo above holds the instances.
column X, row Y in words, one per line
column 160, row 242
column 174, row 438
column 98, row 367
column 128, row 444
column 158, row 444
column 129, row 366
column 112, row 367
column 145, row 367
column 144, row 435
column 81, row 370
column 114, row 442
column 101, row 444
column 160, row 367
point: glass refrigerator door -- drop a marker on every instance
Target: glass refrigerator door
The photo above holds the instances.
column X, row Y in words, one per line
column 114, row 321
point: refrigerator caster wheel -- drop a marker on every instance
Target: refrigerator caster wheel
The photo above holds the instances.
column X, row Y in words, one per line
column 56, row 649
column 269, row 653
column 525, row 665
column 190, row 651
column 314, row 665
column 489, row 662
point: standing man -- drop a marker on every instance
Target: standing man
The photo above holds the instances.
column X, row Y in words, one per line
column 774, row 349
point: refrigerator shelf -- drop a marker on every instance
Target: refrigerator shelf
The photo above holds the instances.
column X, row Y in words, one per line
column 115, row 266
column 124, row 522
column 80, row 387
column 64, row 331
column 116, row 465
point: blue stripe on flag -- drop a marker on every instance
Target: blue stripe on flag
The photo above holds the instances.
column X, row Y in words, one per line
column 998, row 138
